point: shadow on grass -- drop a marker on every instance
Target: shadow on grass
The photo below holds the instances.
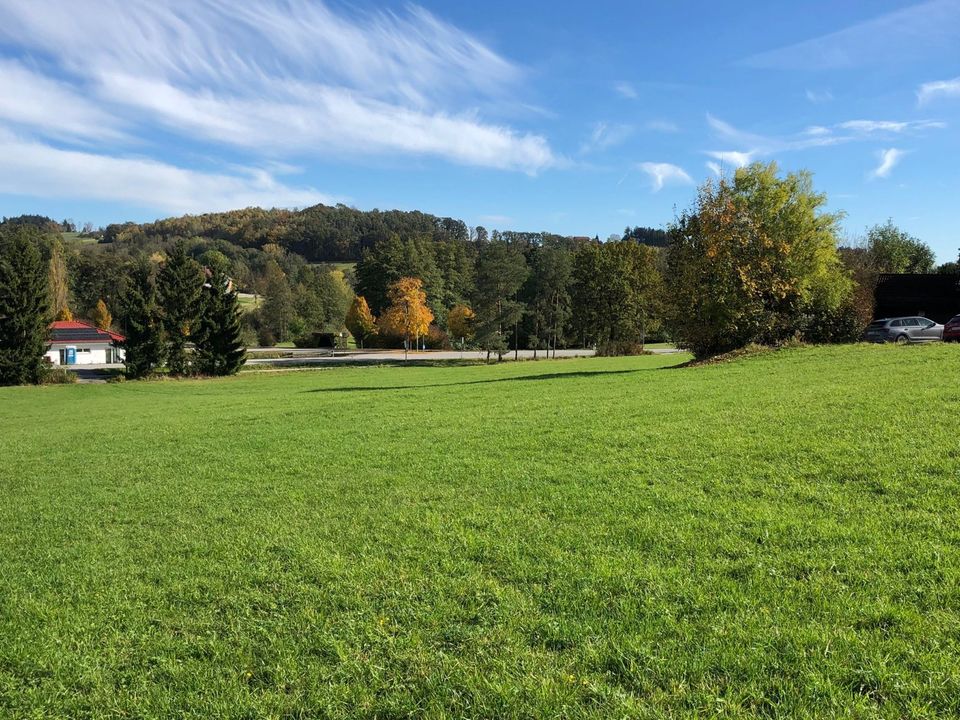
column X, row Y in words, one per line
column 520, row 378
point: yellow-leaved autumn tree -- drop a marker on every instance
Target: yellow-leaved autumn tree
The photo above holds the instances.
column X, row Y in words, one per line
column 408, row 316
column 58, row 288
column 461, row 322
column 360, row 321
column 101, row 315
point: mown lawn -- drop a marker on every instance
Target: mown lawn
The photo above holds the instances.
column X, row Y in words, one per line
column 778, row 536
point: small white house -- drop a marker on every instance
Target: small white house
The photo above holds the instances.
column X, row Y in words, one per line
column 79, row 343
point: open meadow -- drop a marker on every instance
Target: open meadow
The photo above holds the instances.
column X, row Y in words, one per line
column 775, row 536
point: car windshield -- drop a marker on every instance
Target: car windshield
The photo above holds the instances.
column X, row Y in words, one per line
column 955, row 319
column 877, row 323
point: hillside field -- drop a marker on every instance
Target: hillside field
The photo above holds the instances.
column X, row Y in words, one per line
column 776, row 536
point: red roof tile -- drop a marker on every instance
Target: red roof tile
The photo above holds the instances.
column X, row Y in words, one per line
column 66, row 331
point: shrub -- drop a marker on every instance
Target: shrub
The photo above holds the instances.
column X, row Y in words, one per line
column 265, row 337
column 843, row 323
column 437, row 339
column 755, row 261
column 613, row 348
column 58, row 376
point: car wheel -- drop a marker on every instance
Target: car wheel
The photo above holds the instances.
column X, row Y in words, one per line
column 902, row 340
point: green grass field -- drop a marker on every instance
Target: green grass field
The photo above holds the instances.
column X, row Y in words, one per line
column 249, row 301
column 777, row 536
column 74, row 237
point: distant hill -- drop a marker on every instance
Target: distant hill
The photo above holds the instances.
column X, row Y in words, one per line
column 320, row 233
column 41, row 222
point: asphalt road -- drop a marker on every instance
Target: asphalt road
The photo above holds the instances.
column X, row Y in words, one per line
column 304, row 356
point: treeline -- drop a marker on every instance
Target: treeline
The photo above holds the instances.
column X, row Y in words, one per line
column 286, row 297
column 755, row 259
column 515, row 291
column 318, row 234
column 164, row 305
column 41, row 223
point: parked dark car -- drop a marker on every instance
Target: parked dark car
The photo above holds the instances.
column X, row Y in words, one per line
column 951, row 331
column 904, row 330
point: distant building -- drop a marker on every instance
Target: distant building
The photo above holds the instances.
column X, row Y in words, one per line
column 929, row 295
column 79, row 343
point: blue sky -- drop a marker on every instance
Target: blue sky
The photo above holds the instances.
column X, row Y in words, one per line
column 578, row 118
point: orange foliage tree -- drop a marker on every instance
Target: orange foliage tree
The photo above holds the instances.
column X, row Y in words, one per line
column 101, row 315
column 360, row 321
column 460, row 321
column 408, row 316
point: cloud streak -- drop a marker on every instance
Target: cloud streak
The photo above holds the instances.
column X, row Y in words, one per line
column 938, row 88
column 310, row 80
column 819, row 97
column 897, row 37
column 889, row 159
column 662, row 174
column 31, row 100
column 752, row 146
column 36, row 169
column 605, row 136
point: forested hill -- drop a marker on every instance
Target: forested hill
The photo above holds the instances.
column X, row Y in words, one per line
column 319, row 233
column 323, row 233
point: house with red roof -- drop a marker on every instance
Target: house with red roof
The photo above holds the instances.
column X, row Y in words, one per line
column 79, row 343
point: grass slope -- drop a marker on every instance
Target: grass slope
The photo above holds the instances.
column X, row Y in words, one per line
column 777, row 536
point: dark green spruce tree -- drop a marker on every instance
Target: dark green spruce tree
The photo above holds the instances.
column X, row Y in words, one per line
column 179, row 288
column 24, row 307
column 144, row 346
column 219, row 336
column 501, row 272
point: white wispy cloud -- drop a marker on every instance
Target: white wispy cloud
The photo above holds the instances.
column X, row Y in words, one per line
column 37, row 169
column 32, row 100
column 626, row 90
column 938, row 88
column 715, row 167
column 604, row 136
column 310, row 79
column 893, row 38
column 818, row 97
column 889, row 126
column 753, row 146
column 733, row 158
column 662, row 174
column 889, row 159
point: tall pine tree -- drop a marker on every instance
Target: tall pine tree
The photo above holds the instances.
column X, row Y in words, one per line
column 219, row 341
column 24, row 307
column 501, row 272
column 144, row 346
column 179, row 287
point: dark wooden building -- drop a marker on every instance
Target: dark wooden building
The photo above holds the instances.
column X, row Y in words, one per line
column 934, row 296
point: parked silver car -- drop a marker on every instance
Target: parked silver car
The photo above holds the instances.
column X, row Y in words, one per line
column 904, row 330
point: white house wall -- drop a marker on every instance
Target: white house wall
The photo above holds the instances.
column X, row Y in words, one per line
column 97, row 355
